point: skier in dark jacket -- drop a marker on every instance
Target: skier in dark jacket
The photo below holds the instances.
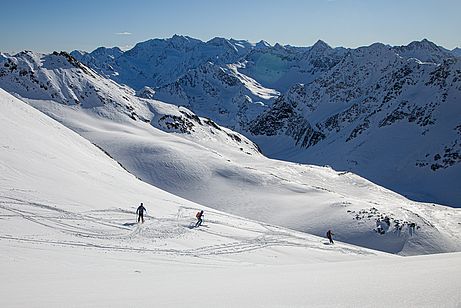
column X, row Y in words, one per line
column 199, row 218
column 330, row 236
column 140, row 212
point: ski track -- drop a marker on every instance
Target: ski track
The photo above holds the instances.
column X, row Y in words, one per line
column 93, row 229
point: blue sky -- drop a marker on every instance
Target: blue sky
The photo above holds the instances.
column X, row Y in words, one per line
column 47, row 25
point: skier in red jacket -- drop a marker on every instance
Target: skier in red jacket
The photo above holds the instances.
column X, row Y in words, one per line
column 199, row 218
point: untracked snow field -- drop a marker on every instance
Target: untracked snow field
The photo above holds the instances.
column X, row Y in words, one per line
column 69, row 238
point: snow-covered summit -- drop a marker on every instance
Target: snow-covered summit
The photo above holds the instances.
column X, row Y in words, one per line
column 424, row 50
column 240, row 47
column 158, row 62
column 262, row 44
column 320, row 45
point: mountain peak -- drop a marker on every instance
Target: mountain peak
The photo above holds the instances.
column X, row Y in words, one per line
column 279, row 46
column 262, row 44
column 180, row 41
column 177, row 37
column 424, row 50
column 78, row 53
column 424, row 43
column 320, row 45
column 221, row 42
column 111, row 51
column 378, row 46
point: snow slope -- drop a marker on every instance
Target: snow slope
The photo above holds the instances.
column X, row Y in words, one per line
column 68, row 238
column 194, row 158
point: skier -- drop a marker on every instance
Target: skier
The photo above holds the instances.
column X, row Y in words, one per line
column 199, row 218
column 329, row 236
column 140, row 212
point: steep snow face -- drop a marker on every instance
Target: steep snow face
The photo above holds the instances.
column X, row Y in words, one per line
column 220, row 93
column 424, row 51
column 206, row 163
column 391, row 120
column 159, row 62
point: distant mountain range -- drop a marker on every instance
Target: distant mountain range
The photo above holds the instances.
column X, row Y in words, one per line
column 388, row 113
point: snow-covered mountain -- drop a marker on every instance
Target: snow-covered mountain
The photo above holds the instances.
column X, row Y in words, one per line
column 231, row 93
column 192, row 157
column 69, row 238
column 218, row 92
column 158, row 62
column 424, row 51
column 100, row 60
column 392, row 120
column 234, row 94
column 60, row 78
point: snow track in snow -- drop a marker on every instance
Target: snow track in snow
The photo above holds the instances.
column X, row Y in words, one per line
column 115, row 229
